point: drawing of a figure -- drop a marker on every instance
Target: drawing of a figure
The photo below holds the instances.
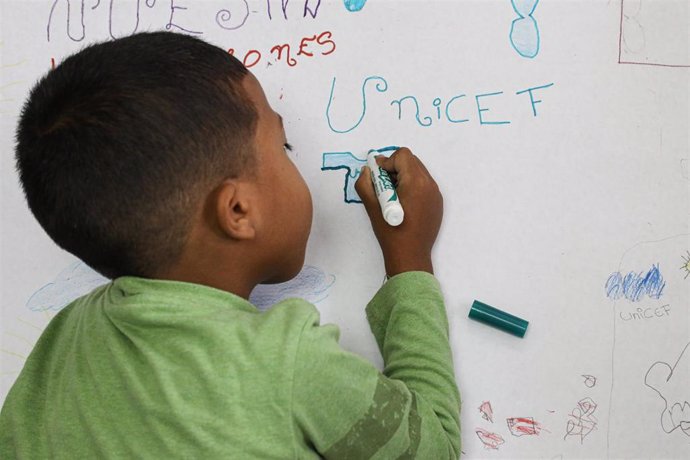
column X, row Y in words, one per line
column 524, row 32
column 672, row 384
column 582, row 421
column 352, row 165
column 651, row 31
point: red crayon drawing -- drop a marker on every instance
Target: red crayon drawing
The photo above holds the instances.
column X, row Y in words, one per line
column 486, row 411
column 521, row 426
column 489, row 439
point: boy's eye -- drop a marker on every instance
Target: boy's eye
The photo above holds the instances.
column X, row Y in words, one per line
column 287, row 146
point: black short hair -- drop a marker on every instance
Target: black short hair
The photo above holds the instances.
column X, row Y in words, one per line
column 118, row 144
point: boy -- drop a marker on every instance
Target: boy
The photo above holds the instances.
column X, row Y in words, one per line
column 157, row 160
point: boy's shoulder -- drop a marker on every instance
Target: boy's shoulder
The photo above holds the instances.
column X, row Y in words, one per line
column 141, row 307
column 293, row 309
column 298, row 318
column 183, row 339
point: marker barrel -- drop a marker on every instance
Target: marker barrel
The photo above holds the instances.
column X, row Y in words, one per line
column 392, row 211
column 499, row 319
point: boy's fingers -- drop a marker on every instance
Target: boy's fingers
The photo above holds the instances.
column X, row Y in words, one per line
column 381, row 160
column 365, row 190
column 402, row 161
column 423, row 167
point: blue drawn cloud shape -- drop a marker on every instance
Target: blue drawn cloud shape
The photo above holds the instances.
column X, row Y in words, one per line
column 634, row 286
column 76, row 280
column 311, row 284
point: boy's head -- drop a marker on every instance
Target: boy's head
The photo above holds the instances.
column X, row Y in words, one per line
column 158, row 154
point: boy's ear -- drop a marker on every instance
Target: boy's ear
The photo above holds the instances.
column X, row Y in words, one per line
column 234, row 210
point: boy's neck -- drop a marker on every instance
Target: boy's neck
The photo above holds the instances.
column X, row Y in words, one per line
column 227, row 280
column 210, row 262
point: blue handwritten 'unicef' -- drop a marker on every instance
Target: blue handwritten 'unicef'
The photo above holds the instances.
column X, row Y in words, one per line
column 634, row 286
column 381, row 86
column 442, row 111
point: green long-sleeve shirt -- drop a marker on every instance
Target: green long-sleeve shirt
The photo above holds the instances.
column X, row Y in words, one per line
column 144, row 368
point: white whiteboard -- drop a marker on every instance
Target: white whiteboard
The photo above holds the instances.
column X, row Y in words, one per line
column 566, row 204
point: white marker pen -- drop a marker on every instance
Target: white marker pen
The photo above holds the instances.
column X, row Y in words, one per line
column 385, row 191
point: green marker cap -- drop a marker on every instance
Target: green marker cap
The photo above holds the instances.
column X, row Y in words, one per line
column 497, row 318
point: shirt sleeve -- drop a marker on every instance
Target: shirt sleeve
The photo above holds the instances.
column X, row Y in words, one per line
column 343, row 407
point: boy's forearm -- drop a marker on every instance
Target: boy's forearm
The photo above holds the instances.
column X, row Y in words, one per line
column 398, row 263
column 408, row 319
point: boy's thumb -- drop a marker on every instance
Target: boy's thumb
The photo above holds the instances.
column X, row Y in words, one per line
column 365, row 190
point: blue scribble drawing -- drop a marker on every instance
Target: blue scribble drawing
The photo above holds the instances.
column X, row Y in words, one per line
column 524, row 32
column 351, row 164
column 74, row 281
column 381, row 87
column 635, row 285
column 311, row 284
column 354, row 5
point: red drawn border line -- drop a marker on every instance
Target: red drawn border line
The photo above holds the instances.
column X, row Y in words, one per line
column 620, row 49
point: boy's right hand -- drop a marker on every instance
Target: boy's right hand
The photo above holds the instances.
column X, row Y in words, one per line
column 406, row 247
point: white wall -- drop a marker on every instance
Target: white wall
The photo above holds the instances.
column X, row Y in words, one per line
column 540, row 212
